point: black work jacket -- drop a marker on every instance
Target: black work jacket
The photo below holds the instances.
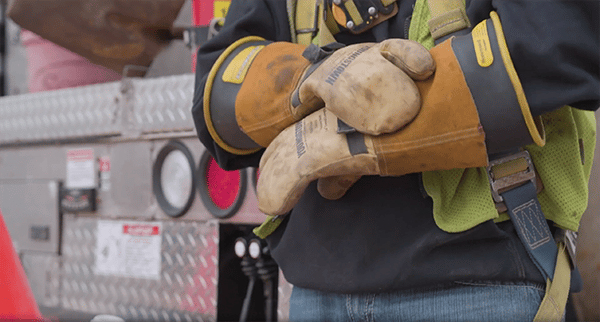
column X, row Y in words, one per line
column 381, row 235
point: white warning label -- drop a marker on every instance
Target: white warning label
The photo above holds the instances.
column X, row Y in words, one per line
column 80, row 169
column 128, row 249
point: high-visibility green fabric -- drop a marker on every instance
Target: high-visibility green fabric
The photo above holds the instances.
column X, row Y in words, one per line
column 462, row 197
column 419, row 29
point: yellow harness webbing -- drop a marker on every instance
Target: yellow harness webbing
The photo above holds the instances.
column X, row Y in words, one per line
column 554, row 302
column 447, row 16
column 306, row 21
column 311, row 26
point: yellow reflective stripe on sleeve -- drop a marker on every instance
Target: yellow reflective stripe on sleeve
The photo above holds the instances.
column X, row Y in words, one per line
column 447, row 16
column 238, row 67
column 554, row 302
column 208, row 91
column 536, row 128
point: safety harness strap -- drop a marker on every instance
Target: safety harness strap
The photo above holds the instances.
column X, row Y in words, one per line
column 526, row 214
column 290, row 6
column 312, row 23
column 306, row 16
column 447, row 16
column 316, row 21
column 513, row 183
column 554, row 302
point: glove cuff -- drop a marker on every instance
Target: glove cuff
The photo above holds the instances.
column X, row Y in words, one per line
column 221, row 91
column 446, row 134
column 487, row 67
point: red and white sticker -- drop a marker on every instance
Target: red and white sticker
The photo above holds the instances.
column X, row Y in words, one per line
column 80, row 169
column 128, row 249
column 141, row 230
column 104, row 168
column 104, row 164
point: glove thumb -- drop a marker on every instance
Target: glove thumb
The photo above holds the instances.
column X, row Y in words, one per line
column 333, row 188
column 410, row 56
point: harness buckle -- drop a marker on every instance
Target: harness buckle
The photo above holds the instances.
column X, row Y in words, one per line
column 312, row 29
column 569, row 238
column 509, row 172
column 360, row 15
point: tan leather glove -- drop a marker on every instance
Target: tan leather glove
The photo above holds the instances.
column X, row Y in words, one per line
column 312, row 149
column 258, row 88
column 486, row 66
column 475, row 88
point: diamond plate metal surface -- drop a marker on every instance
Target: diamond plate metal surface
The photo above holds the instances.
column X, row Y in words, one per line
column 131, row 106
column 165, row 103
column 186, row 291
column 43, row 274
column 66, row 113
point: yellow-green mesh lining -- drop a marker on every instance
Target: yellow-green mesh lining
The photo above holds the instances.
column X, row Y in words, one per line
column 559, row 164
column 565, row 194
column 419, row 29
column 462, row 197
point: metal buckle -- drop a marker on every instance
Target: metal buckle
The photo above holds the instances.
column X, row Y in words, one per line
column 503, row 184
column 569, row 238
column 315, row 28
column 214, row 27
column 193, row 37
column 371, row 13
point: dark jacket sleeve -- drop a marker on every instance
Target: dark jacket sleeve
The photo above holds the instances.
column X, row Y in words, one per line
column 554, row 45
column 264, row 18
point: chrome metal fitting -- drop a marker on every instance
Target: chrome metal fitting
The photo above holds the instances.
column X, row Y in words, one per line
column 501, row 184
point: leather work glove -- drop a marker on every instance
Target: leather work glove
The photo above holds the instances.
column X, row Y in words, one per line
column 312, row 148
column 474, row 88
column 258, row 88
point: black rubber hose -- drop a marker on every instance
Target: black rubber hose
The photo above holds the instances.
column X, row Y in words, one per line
column 246, row 305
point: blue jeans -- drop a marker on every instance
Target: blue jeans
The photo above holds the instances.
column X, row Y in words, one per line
column 460, row 302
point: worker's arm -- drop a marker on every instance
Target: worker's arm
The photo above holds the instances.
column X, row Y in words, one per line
column 257, row 87
column 555, row 49
column 476, row 93
column 262, row 18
